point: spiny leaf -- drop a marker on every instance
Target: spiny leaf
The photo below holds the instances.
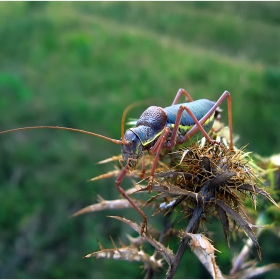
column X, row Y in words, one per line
column 170, row 174
column 247, row 227
column 127, row 254
column 114, row 173
column 224, row 220
column 105, row 205
column 260, row 191
column 135, row 241
column 222, row 177
column 172, row 190
column 113, row 158
column 205, row 252
column 109, row 174
column 252, row 271
column 164, row 251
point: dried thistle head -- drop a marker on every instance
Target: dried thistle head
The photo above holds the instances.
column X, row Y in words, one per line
column 202, row 179
column 208, row 176
column 212, row 177
column 226, row 172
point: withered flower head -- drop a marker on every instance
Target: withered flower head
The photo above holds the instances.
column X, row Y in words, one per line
column 201, row 180
column 209, row 179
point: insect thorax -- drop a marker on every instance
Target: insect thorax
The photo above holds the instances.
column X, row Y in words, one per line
column 150, row 124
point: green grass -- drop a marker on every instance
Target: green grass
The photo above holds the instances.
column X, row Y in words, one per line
column 80, row 65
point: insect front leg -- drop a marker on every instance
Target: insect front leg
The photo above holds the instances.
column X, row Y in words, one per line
column 156, row 149
column 143, row 170
column 181, row 92
column 118, row 181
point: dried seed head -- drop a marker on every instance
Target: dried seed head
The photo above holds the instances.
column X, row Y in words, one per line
column 213, row 176
column 225, row 171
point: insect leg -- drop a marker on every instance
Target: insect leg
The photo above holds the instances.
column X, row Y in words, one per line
column 156, row 149
column 142, row 175
column 118, row 181
column 179, row 94
column 225, row 95
column 198, row 124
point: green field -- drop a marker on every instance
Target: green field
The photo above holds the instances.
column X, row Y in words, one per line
column 80, row 65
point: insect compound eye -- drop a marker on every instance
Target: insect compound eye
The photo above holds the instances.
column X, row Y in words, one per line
column 132, row 150
column 130, row 137
column 135, row 140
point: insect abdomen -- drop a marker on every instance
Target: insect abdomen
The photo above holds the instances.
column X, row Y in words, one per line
column 199, row 108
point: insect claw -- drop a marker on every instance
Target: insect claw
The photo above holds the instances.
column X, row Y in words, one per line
column 150, row 184
column 144, row 228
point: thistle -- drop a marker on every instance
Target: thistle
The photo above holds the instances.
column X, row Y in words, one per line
column 197, row 181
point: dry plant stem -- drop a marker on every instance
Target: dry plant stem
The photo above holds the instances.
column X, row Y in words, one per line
column 207, row 192
column 242, row 256
column 167, row 226
column 191, row 228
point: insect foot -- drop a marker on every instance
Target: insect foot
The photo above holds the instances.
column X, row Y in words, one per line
column 150, row 184
column 144, row 227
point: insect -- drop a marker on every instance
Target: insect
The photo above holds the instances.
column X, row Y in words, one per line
column 159, row 128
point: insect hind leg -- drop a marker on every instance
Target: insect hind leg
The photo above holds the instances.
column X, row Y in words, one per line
column 181, row 92
column 199, row 124
column 187, row 136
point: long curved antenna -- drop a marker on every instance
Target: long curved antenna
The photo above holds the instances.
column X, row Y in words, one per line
column 127, row 109
column 119, row 142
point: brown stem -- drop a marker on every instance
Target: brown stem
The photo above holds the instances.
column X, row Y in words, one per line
column 167, row 225
column 206, row 192
column 191, row 228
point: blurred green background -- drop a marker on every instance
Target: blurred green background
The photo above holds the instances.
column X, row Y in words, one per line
column 80, row 65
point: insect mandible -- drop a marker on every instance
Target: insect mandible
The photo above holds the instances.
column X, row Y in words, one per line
column 159, row 128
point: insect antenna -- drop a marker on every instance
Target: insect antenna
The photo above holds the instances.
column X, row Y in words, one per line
column 127, row 109
column 119, row 142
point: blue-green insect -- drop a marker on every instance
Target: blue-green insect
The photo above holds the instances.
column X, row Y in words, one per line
column 160, row 128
